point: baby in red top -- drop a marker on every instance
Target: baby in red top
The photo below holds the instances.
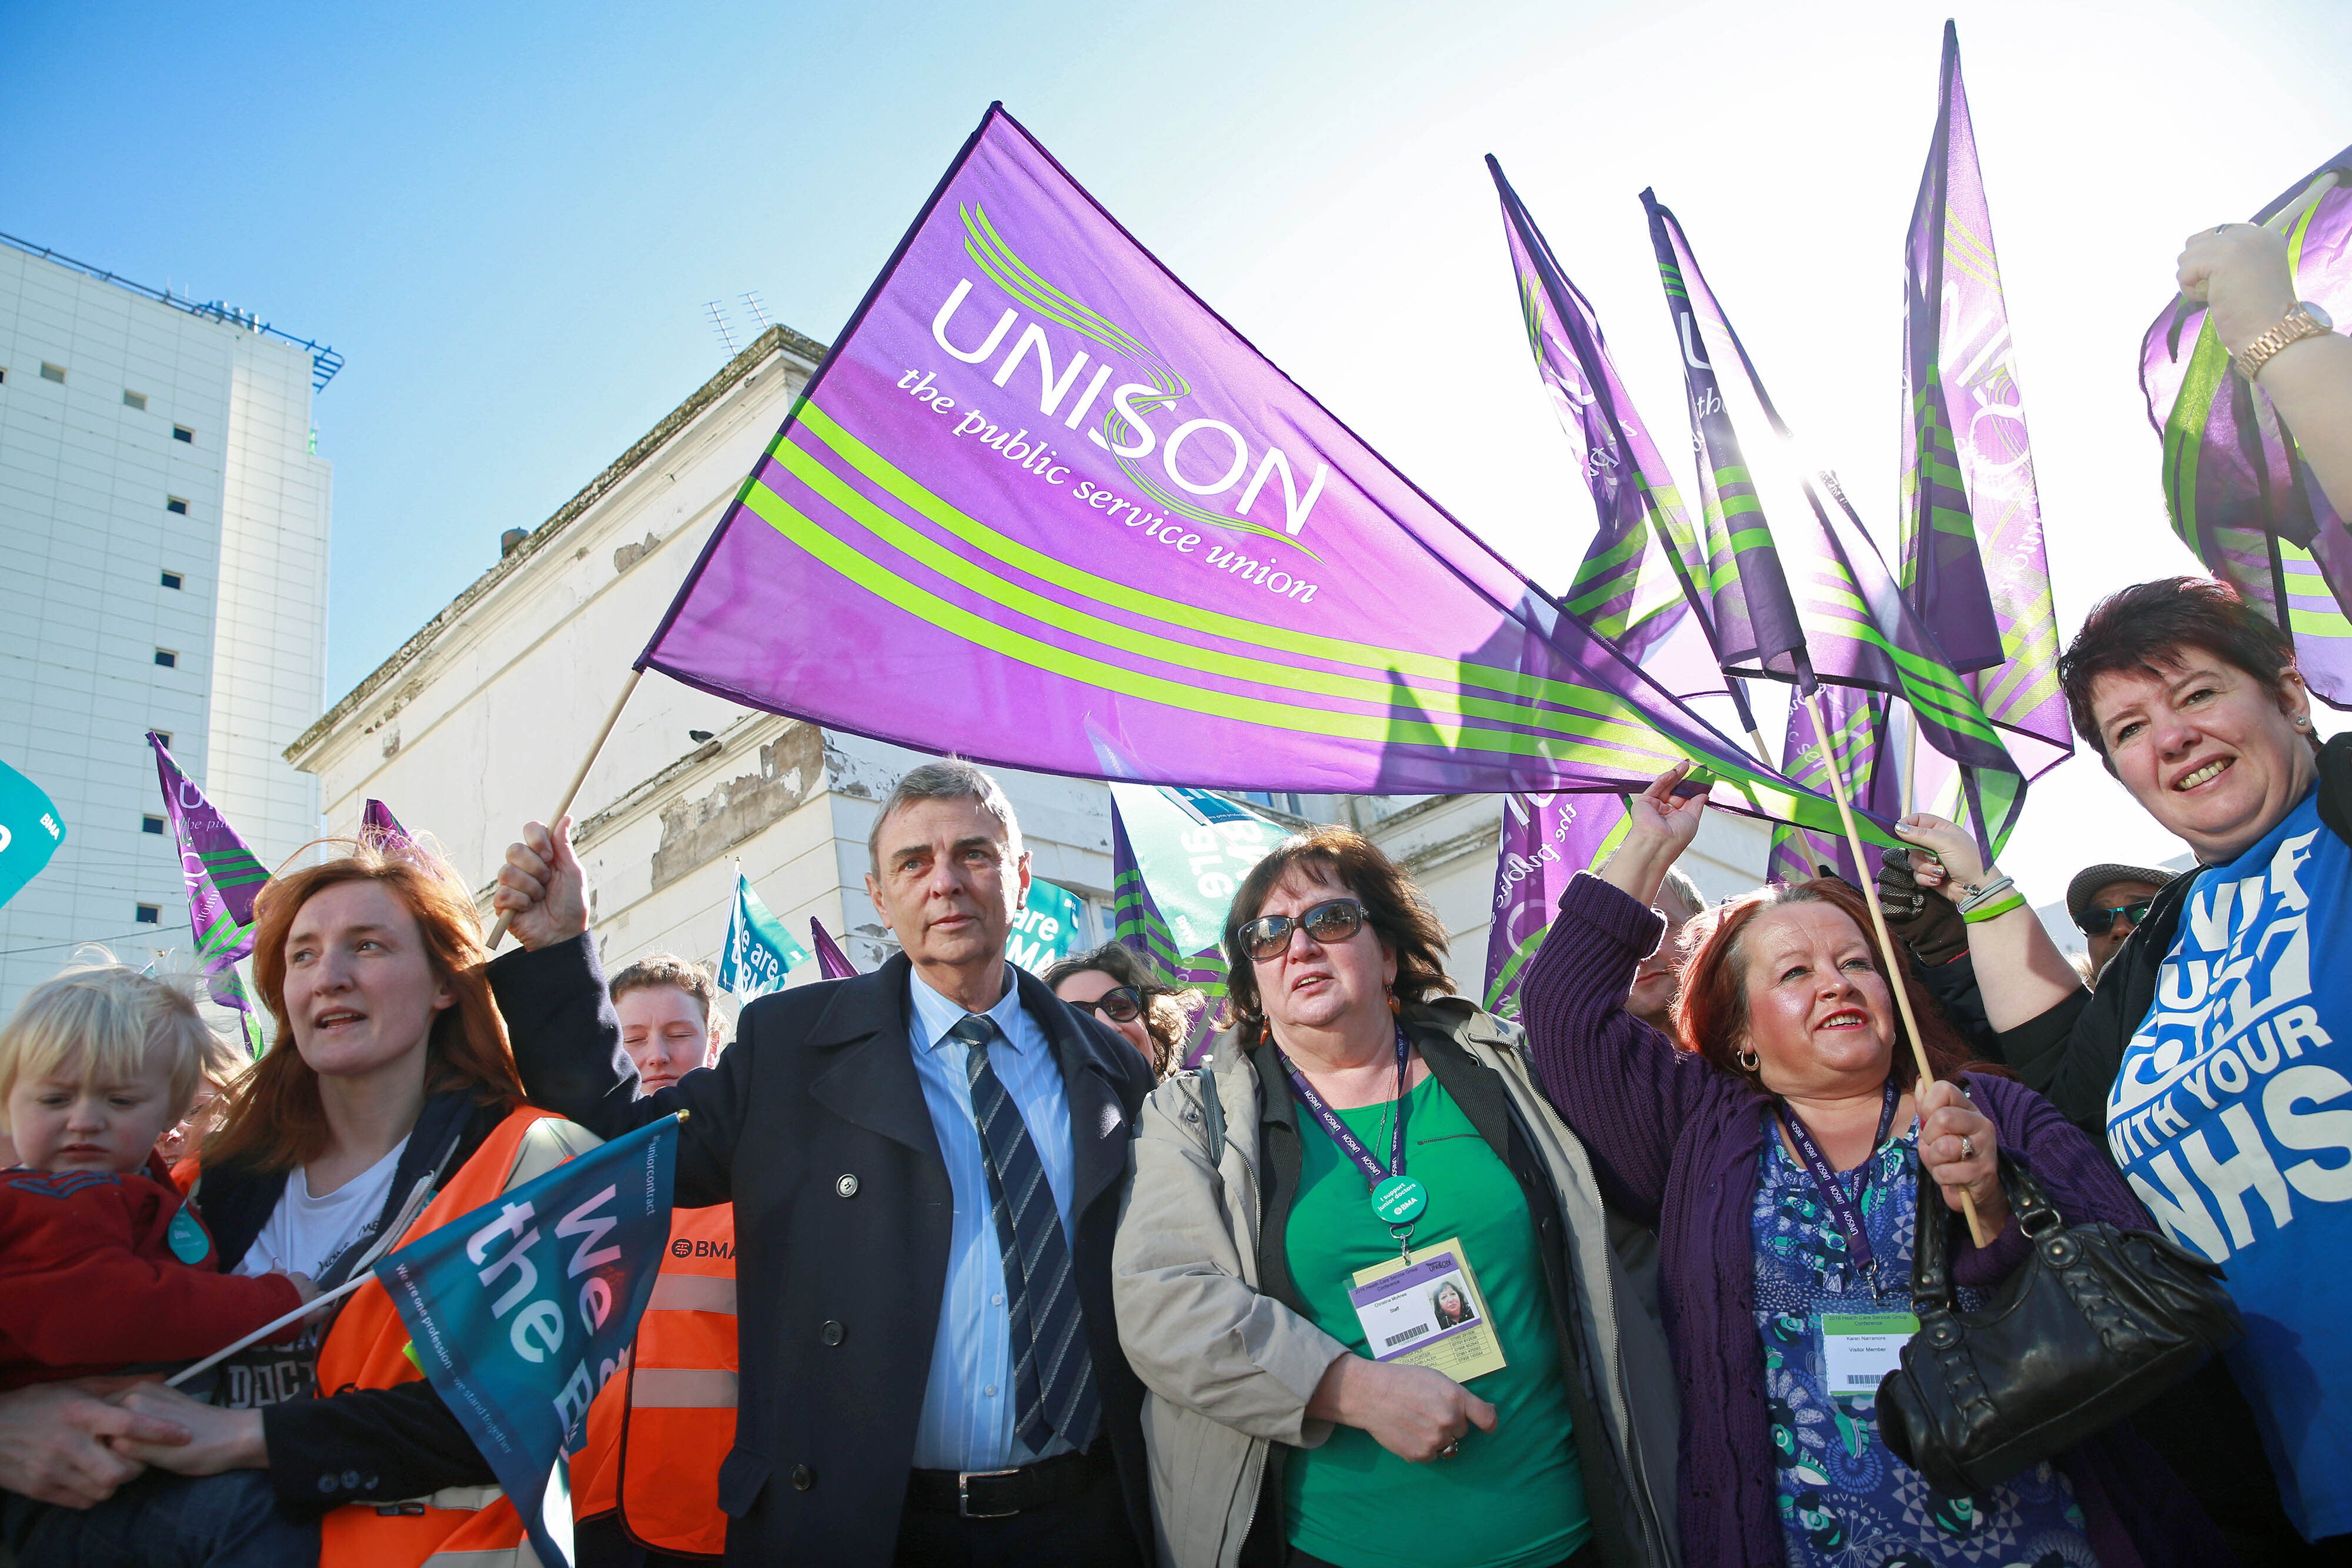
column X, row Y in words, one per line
column 103, row 1265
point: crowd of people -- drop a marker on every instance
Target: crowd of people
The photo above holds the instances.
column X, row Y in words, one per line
column 968, row 1267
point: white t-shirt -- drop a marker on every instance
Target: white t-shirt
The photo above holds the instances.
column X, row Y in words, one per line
column 305, row 1234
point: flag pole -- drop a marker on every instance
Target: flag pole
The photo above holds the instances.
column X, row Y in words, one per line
column 271, row 1327
column 506, row 918
column 1897, row 982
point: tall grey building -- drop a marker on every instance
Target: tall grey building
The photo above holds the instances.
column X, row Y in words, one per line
column 164, row 522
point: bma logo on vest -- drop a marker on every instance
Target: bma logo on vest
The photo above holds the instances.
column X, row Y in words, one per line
column 684, row 1248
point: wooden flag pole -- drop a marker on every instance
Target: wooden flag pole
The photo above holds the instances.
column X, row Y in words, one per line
column 2286, row 217
column 1895, row 982
column 506, row 918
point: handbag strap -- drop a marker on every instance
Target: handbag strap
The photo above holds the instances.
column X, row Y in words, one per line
column 1931, row 1261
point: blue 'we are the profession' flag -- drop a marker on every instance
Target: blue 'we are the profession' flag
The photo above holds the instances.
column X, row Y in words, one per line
column 30, row 830
column 1049, row 927
column 759, row 952
column 520, row 1310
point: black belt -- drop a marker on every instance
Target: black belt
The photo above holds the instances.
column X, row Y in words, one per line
column 1000, row 1494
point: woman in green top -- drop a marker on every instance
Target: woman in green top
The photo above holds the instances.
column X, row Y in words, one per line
column 1366, row 1273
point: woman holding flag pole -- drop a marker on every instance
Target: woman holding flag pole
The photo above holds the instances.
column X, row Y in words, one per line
column 395, row 1110
column 1778, row 1158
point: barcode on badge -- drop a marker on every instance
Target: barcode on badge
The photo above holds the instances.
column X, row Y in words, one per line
column 1860, row 1380
column 1395, row 1339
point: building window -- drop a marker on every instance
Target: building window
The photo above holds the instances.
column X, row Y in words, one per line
column 151, row 914
column 182, row 432
column 171, row 579
column 50, row 372
column 152, row 825
column 133, row 400
column 1279, row 802
column 176, row 506
column 4, row 381
column 165, row 737
column 166, row 659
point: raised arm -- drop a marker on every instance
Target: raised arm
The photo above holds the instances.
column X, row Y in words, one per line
column 1619, row 1083
column 2241, row 272
column 2021, row 974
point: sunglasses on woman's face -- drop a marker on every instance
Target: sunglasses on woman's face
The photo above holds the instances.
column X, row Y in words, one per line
column 1120, row 1004
column 2099, row 922
column 1332, row 921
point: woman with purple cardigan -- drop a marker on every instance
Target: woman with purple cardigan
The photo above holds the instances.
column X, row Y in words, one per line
column 1778, row 1158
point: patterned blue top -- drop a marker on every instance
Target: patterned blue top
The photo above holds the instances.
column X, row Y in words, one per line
column 1846, row 1501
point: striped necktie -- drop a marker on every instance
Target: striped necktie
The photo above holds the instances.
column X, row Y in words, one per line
column 1053, row 1377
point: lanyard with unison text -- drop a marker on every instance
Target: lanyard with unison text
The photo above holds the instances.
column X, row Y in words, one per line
column 1397, row 1198
column 1845, row 1213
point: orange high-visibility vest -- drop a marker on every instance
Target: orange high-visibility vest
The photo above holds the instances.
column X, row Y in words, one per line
column 658, row 1433
column 457, row 1527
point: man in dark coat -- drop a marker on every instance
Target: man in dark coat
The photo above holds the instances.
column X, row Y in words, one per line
column 926, row 1166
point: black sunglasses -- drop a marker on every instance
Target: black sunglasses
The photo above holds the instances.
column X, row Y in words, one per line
column 2099, row 922
column 1120, row 1004
column 1335, row 920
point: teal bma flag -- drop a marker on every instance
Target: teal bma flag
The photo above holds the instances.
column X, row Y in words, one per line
column 29, row 830
column 1049, row 927
column 520, row 1310
column 759, row 952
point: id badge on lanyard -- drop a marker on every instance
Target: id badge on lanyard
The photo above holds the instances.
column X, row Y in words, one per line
column 1858, row 1349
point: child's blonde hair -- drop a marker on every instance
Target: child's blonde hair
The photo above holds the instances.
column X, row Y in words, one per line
column 96, row 1024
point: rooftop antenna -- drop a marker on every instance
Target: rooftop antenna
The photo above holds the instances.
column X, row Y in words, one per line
column 717, row 314
column 759, row 311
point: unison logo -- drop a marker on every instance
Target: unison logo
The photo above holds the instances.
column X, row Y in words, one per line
column 1199, row 459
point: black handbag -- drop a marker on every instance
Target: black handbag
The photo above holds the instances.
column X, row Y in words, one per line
column 2097, row 1321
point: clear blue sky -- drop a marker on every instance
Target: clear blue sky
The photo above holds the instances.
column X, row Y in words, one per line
column 507, row 218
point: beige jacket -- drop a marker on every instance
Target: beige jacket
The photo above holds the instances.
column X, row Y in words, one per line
column 1230, row 1369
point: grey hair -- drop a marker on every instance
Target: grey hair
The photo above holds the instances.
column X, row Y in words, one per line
column 949, row 780
column 1679, row 884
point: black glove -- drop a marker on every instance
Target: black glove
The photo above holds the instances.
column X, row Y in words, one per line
column 1928, row 924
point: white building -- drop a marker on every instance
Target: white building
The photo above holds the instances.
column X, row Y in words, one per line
column 480, row 718
column 164, row 522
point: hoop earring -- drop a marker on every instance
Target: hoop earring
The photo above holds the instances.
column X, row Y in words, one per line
column 1747, row 1061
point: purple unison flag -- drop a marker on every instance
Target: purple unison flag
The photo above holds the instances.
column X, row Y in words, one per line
column 223, row 878
column 1547, row 840
column 2239, row 492
column 1856, row 717
column 379, row 827
column 1042, row 508
column 1856, row 626
column 1756, row 619
column 831, row 961
column 1639, row 585
column 1974, row 563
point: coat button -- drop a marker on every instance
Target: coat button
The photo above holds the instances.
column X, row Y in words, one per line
column 804, row 1478
column 832, row 1333
column 846, row 1185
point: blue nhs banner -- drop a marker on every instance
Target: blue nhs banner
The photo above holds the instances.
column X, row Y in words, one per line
column 520, row 1310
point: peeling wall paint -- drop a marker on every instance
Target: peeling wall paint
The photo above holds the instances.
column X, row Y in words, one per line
column 696, row 831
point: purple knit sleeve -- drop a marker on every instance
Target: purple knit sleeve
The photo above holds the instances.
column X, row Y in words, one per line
column 2072, row 1169
column 1620, row 1084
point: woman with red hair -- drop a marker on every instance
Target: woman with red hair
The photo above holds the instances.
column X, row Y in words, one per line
column 1778, row 1157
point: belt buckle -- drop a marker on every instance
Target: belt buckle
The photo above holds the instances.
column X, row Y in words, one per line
column 963, row 1493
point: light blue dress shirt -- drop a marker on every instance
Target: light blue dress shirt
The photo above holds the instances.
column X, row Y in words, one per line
column 968, row 1404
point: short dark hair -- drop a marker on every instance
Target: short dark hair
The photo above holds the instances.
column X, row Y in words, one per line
column 2144, row 628
column 1396, row 910
column 1168, row 1011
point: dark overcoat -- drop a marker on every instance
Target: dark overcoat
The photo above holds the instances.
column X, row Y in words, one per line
column 813, row 1125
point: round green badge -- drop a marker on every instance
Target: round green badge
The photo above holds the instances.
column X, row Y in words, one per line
column 1400, row 1198
column 189, row 1243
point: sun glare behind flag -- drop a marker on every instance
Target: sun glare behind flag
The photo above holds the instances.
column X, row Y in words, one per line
column 1974, row 563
